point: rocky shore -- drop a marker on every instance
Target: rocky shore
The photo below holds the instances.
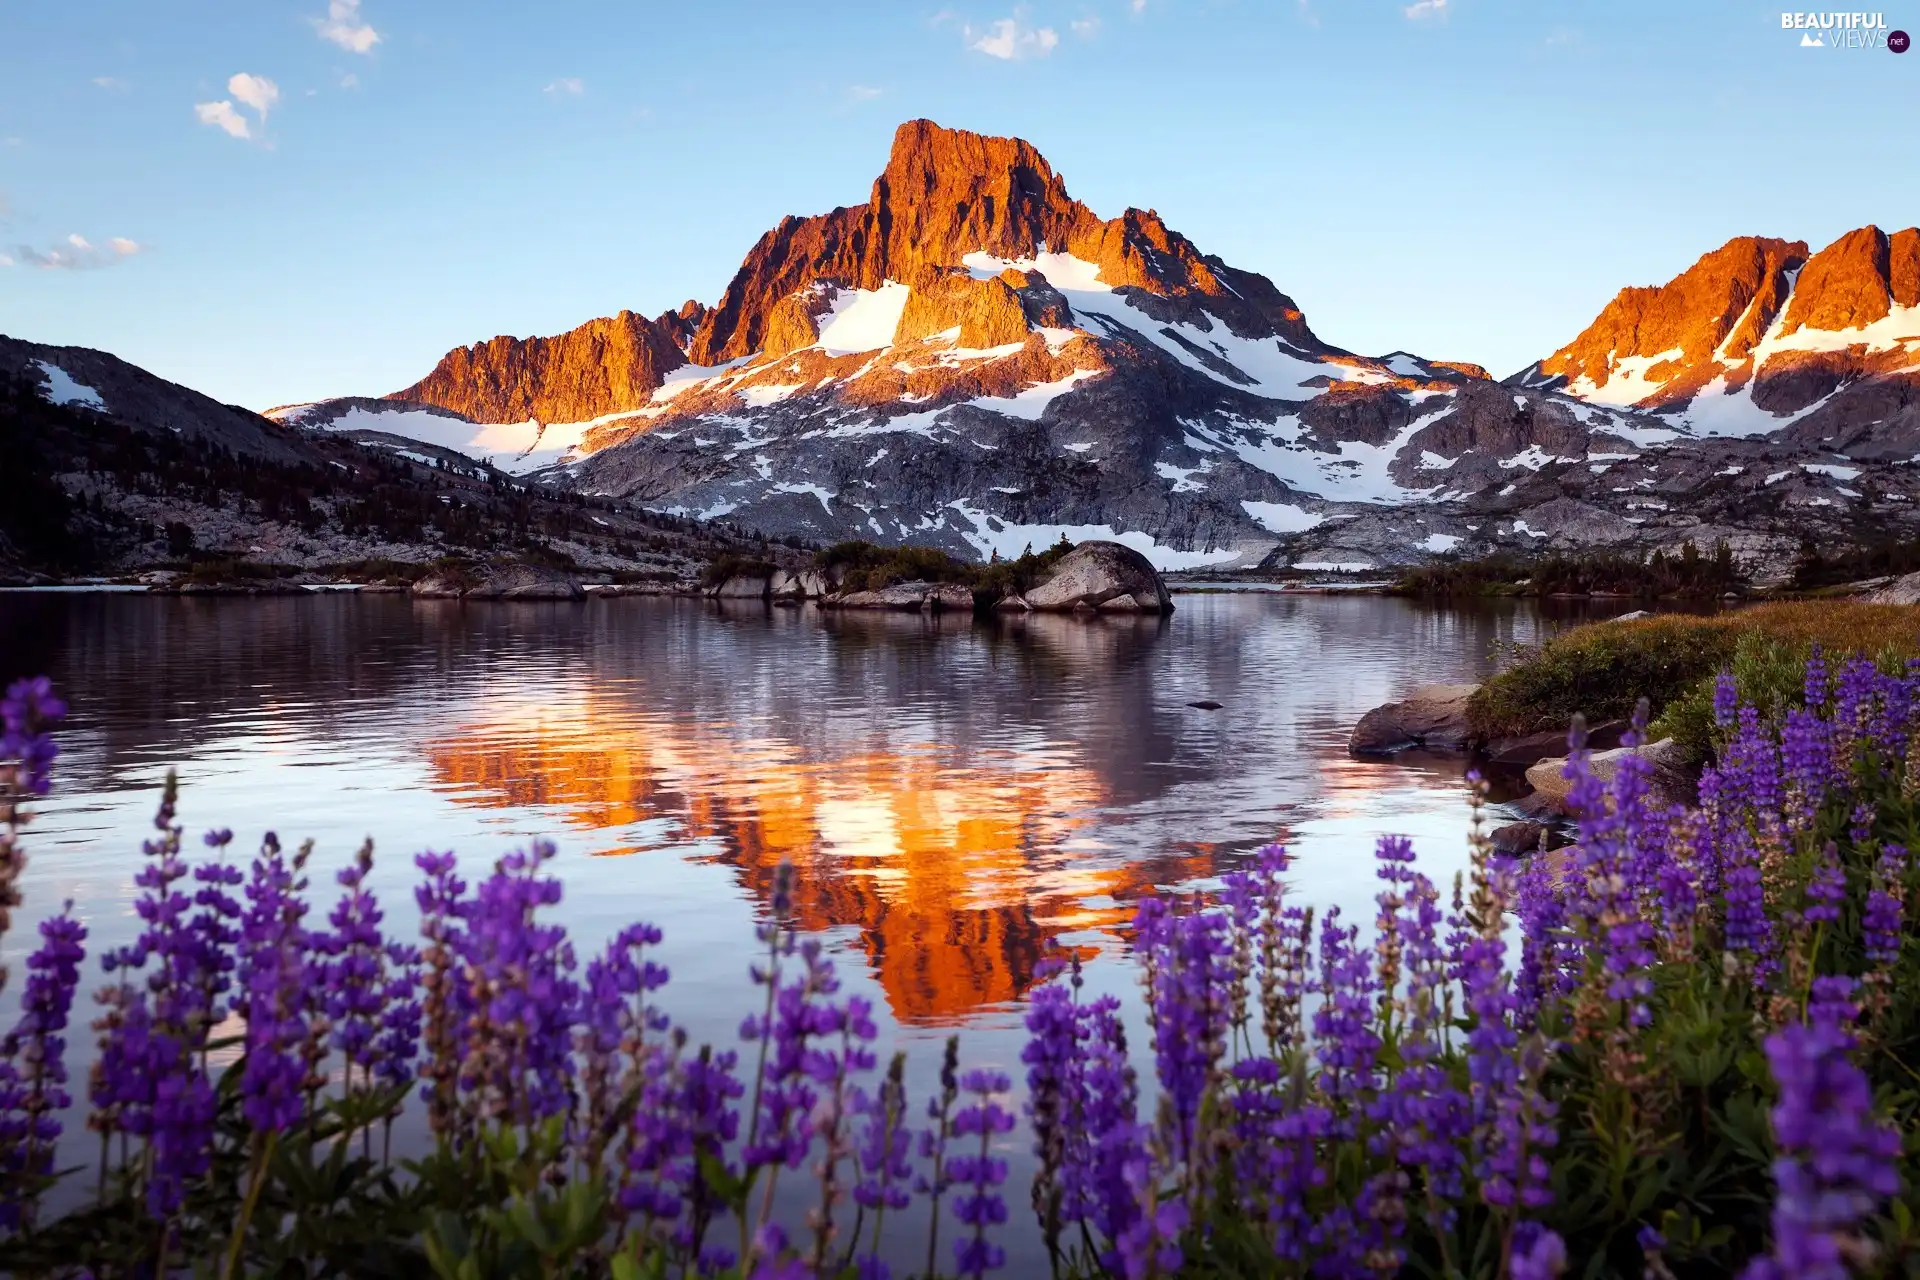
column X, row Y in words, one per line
column 1434, row 719
column 1093, row 578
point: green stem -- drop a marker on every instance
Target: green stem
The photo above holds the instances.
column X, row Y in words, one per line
column 262, row 1155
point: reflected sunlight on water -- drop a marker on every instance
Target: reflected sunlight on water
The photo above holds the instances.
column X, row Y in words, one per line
column 957, row 797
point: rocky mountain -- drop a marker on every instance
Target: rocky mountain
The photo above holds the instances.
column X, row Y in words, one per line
column 110, row 469
column 601, row 367
column 974, row 360
column 1759, row 338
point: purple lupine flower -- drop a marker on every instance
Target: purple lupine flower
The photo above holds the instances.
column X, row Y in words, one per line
column 618, row 1026
column 1726, row 699
column 1835, row 1161
column 443, row 905
column 1830, row 1001
column 1422, row 1114
column 1278, row 1154
column 684, row 1114
column 150, row 1078
column 1881, row 927
column 1055, row 1095
column 369, row 996
column 1807, row 759
column 1286, row 939
column 1826, row 889
column 279, row 985
column 520, row 999
column 1747, row 927
column 1190, row 996
column 1108, row 1138
column 1816, row 689
column 1150, row 1244
column 28, row 713
column 787, row 1096
column 885, row 1145
column 1538, row 1254
column 1544, row 946
column 33, row 1064
column 980, row 1206
column 833, row 1067
column 1345, row 1042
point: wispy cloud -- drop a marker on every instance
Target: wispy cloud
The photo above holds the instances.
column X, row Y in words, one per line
column 1086, row 28
column 349, row 81
column 344, row 26
column 257, row 92
column 221, row 115
column 75, row 253
column 1012, row 39
column 1561, row 36
column 861, row 93
column 113, row 84
column 1423, row 9
column 567, row 86
column 1304, row 11
column 1138, row 6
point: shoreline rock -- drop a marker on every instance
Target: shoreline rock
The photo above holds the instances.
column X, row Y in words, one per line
column 1098, row 577
column 1670, row 781
column 499, row 582
column 1433, row 716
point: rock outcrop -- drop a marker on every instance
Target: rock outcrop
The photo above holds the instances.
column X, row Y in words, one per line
column 1903, row 590
column 1101, row 577
column 499, row 582
column 1433, row 716
column 1669, row 781
column 934, row 597
column 602, row 367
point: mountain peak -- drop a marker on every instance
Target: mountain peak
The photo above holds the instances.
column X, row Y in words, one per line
column 1758, row 336
column 946, row 194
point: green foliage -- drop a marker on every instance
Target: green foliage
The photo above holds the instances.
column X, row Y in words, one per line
column 732, row 564
column 1689, row 572
column 863, row 566
column 1817, row 566
column 1602, row 669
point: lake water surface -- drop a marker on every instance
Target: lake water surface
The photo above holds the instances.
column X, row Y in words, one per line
column 958, row 797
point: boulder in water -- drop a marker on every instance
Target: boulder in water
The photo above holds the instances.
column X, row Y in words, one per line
column 1432, row 716
column 1101, row 576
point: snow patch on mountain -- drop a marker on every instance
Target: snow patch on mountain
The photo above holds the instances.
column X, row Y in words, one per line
column 863, row 319
column 62, row 389
column 1627, row 383
column 1282, row 517
column 990, row 535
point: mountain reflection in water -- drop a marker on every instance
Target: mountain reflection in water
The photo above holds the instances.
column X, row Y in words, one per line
column 957, row 797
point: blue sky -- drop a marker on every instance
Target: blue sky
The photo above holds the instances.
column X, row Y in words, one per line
column 1466, row 179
